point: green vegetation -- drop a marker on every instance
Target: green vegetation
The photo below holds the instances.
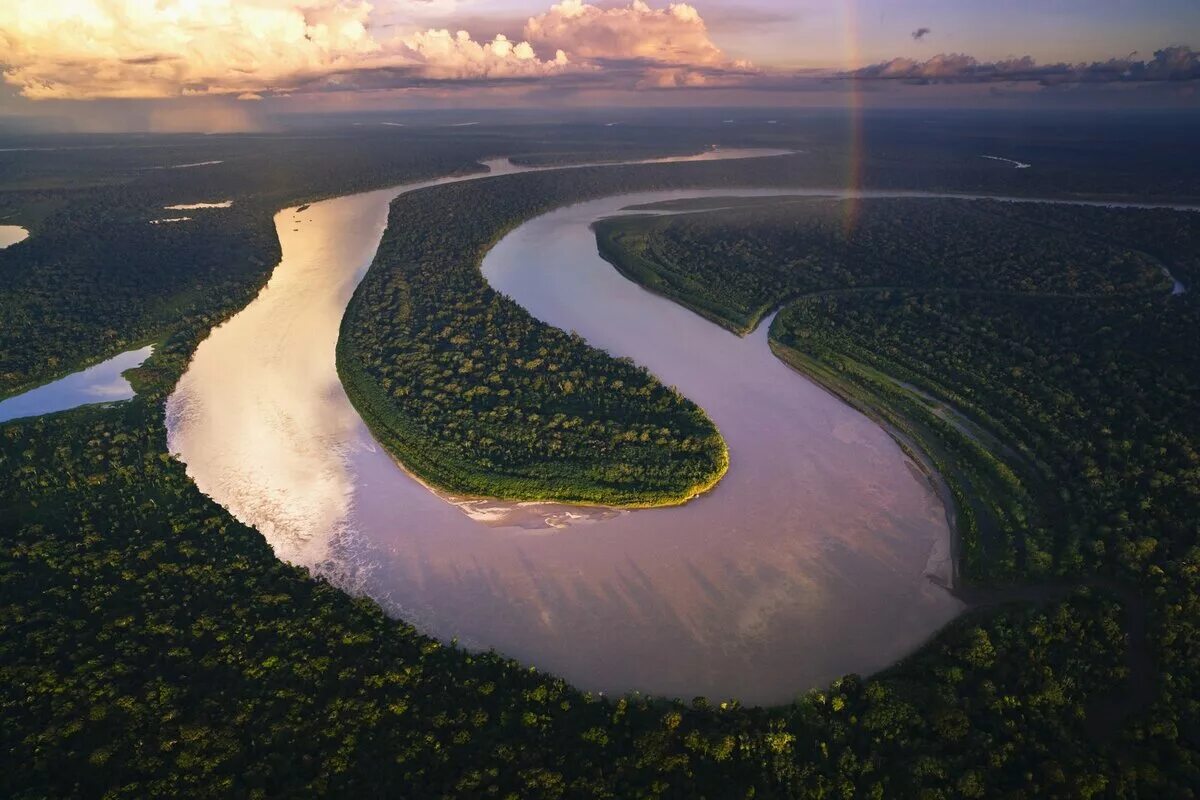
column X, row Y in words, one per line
column 476, row 397
column 151, row 646
column 1097, row 397
column 1033, row 355
column 1069, row 385
column 736, row 264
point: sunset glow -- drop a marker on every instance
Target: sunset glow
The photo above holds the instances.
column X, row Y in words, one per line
column 759, row 53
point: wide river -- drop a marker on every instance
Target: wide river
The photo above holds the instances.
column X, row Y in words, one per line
column 820, row 553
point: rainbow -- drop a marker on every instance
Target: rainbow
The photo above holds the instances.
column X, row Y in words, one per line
column 854, row 112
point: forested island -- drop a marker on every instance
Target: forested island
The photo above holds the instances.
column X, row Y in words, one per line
column 150, row 645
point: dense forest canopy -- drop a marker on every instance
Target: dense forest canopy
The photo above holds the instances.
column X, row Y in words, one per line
column 739, row 262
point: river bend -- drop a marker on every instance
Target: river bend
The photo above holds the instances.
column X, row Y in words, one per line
column 820, row 552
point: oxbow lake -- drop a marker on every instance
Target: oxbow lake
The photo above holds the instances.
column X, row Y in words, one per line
column 101, row 383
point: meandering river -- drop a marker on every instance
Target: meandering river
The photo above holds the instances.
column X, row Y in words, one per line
column 812, row 558
column 819, row 553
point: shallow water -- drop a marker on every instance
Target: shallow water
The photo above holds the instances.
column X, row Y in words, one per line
column 810, row 559
column 101, row 383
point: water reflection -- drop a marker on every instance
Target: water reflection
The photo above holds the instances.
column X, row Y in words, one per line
column 809, row 560
column 101, row 383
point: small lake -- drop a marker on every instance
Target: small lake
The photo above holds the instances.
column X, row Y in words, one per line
column 101, row 383
column 11, row 234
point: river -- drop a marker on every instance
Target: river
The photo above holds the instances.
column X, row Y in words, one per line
column 818, row 554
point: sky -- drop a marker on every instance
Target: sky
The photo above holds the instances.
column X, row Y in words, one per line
column 177, row 60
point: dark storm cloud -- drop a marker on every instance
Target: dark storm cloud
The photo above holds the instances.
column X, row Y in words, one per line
column 147, row 60
column 1169, row 65
column 601, row 73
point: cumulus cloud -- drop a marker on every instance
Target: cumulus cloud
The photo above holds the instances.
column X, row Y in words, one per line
column 672, row 35
column 1178, row 63
column 249, row 49
column 79, row 49
column 665, row 47
column 134, row 48
column 253, row 49
column 447, row 57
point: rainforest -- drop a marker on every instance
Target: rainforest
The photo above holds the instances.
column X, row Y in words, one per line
column 509, row 460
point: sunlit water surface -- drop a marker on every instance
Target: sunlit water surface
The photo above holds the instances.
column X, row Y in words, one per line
column 815, row 556
column 11, row 234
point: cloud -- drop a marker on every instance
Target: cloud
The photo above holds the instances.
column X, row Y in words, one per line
column 673, row 42
column 674, row 35
column 255, row 49
column 124, row 48
column 82, row 49
column 1177, row 63
column 445, row 57
column 251, row 49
